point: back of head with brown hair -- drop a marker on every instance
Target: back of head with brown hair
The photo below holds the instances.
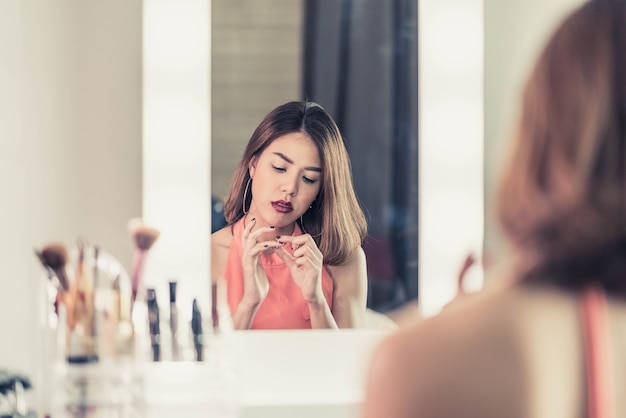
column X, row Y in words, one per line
column 562, row 198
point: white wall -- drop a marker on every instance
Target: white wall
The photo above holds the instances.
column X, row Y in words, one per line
column 176, row 148
column 70, row 144
column 450, row 144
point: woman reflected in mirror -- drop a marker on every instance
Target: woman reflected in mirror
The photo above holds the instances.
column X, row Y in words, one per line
column 290, row 255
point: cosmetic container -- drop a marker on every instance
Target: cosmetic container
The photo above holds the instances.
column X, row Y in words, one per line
column 91, row 350
column 106, row 358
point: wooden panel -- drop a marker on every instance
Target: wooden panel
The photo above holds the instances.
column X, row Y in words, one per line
column 256, row 65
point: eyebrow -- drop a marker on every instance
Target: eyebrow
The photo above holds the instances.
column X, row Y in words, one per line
column 290, row 161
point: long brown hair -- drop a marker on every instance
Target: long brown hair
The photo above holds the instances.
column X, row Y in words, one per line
column 335, row 220
column 562, row 198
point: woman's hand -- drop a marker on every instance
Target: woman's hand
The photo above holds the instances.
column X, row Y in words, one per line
column 255, row 283
column 305, row 265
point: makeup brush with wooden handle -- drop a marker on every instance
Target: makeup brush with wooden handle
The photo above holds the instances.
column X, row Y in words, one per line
column 54, row 256
column 84, row 302
column 144, row 238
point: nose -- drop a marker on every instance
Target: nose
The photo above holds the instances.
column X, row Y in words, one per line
column 290, row 186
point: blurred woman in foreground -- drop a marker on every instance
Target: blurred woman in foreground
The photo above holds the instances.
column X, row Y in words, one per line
column 553, row 343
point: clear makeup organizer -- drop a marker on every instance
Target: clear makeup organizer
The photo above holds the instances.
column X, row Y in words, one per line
column 105, row 356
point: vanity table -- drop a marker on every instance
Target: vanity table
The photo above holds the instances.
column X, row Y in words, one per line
column 303, row 373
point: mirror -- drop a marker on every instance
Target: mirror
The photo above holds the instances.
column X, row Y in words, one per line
column 358, row 59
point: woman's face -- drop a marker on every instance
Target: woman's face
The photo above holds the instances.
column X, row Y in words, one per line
column 286, row 179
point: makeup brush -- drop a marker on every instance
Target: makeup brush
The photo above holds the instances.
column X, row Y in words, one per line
column 45, row 266
column 196, row 329
column 53, row 306
column 85, row 285
column 154, row 321
column 144, row 237
column 174, row 320
column 83, row 325
column 54, row 256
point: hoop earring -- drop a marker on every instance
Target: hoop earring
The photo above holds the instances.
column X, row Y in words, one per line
column 245, row 195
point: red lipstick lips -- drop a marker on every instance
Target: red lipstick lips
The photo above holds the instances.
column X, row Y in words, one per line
column 282, row 206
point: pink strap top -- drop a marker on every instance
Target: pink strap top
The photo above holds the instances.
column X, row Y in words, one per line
column 284, row 307
column 596, row 350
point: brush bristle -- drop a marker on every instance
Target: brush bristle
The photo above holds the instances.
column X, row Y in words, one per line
column 145, row 237
column 54, row 255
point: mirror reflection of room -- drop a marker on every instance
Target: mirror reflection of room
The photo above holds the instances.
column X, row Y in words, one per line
column 266, row 53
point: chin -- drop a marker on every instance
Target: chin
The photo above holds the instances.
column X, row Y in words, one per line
column 281, row 220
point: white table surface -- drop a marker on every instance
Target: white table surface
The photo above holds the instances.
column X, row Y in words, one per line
column 319, row 373
column 261, row 374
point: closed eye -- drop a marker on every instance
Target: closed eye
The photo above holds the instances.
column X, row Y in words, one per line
column 305, row 179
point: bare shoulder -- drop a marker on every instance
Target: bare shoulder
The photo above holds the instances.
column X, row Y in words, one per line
column 222, row 237
column 220, row 246
column 350, row 278
column 350, row 291
column 485, row 353
column 353, row 266
column 422, row 367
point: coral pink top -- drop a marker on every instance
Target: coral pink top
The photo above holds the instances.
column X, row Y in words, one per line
column 284, row 307
column 596, row 337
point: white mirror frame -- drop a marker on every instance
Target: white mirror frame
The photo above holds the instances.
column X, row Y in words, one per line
column 176, row 144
